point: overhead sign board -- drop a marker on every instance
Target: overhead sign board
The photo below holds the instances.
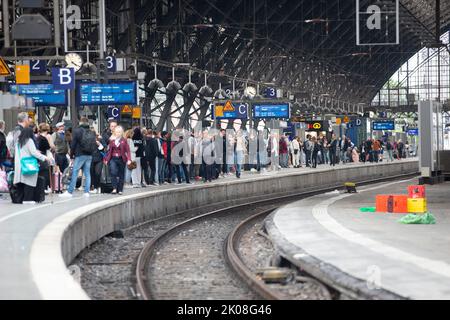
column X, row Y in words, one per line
column 4, row 69
column 137, row 112
column 127, row 109
column 38, row 67
column 113, row 113
column 376, row 23
column 318, row 126
column 23, row 74
column 42, row 94
column 111, row 64
column 413, row 132
column 358, row 122
column 271, row 111
column 383, row 125
column 63, row 78
column 120, row 93
column 230, row 110
column 270, row 93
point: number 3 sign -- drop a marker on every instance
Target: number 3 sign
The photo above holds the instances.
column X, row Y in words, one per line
column 112, row 64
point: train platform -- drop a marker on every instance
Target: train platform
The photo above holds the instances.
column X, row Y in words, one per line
column 369, row 253
column 38, row 242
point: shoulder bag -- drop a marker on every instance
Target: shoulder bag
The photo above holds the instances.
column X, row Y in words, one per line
column 28, row 165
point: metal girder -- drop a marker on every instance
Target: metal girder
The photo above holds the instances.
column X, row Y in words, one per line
column 170, row 98
column 189, row 101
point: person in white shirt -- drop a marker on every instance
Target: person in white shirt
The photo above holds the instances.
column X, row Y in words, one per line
column 295, row 150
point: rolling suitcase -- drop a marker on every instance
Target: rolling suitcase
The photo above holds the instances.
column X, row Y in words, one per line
column 105, row 181
column 57, row 182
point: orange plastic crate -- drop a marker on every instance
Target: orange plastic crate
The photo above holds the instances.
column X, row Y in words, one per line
column 416, row 192
column 382, row 203
column 400, row 203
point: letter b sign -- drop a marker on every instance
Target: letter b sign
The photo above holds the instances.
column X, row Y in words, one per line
column 63, row 78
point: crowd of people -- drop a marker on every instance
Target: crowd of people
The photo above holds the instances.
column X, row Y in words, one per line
column 142, row 157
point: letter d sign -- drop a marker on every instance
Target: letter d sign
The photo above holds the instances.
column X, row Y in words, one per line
column 63, row 78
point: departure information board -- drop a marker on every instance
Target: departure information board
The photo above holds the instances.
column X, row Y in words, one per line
column 42, row 94
column 120, row 93
column 383, row 125
column 271, row 111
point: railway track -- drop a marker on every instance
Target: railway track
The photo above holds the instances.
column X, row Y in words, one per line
column 199, row 258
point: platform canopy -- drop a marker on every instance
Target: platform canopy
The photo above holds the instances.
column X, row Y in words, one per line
column 307, row 47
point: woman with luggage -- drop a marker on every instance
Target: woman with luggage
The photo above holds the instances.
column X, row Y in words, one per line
column 118, row 157
column 26, row 168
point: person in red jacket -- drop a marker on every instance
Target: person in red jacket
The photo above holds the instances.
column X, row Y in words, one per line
column 284, row 153
column 118, row 157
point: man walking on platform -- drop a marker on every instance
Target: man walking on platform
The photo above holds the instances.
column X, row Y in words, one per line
column 84, row 143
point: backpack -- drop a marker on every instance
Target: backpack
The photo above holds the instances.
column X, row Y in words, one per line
column 88, row 143
column 307, row 146
column 388, row 146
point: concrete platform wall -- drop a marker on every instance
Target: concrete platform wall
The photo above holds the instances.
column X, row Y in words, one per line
column 102, row 218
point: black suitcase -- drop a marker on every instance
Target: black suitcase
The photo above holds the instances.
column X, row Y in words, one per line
column 105, row 181
column 106, row 188
column 39, row 192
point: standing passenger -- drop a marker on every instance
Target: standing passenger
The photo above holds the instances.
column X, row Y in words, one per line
column 137, row 153
column 26, row 183
column 295, row 147
column 118, row 157
column 61, row 147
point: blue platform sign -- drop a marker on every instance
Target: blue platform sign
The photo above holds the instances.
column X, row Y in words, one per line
column 42, row 94
column 230, row 110
column 113, row 113
column 413, row 132
column 120, row 93
column 111, row 64
column 63, row 78
column 383, row 125
column 38, row 67
column 358, row 122
column 270, row 93
column 271, row 111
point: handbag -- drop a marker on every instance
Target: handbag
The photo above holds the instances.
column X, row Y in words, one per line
column 51, row 158
column 29, row 165
column 132, row 165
